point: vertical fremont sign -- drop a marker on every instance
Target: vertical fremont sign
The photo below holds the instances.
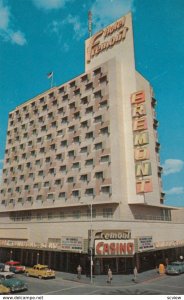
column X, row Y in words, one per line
column 141, row 142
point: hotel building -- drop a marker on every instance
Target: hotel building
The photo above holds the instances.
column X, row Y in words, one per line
column 82, row 168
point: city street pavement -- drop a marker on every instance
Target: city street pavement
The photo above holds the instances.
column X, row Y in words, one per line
column 123, row 280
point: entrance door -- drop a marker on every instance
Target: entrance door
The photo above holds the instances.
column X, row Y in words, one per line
column 109, row 263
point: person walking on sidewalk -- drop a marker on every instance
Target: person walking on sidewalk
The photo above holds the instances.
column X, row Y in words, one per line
column 135, row 273
column 109, row 274
column 79, row 271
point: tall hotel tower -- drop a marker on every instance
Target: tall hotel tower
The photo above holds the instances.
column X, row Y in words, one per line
column 83, row 158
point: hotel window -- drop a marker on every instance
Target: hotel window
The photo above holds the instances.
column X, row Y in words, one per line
column 89, row 85
column 71, row 153
column 40, row 173
column 99, row 175
column 106, row 189
column 89, row 213
column 53, row 147
column 97, row 71
column 98, row 94
column 103, row 104
column 58, row 181
column 72, row 83
column 60, row 132
column 98, row 119
column 47, row 159
column 84, row 124
column 33, row 153
column 50, row 115
column 76, row 115
column 50, row 196
column 76, row 139
column 31, row 175
column 84, row 78
column 75, row 193
column 39, row 197
column 107, row 212
column 84, row 149
column 46, row 184
column 64, row 120
column 89, row 192
column 72, row 105
column 37, row 162
column 44, row 107
column 70, row 179
column 84, row 177
column 42, row 150
column 26, row 187
column 59, row 156
column 89, row 162
column 42, row 100
column 64, row 143
column 77, row 92
column 89, row 135
column 43, row 128
column 71, row 128
column 76, row 214
column 40, row 119
column 98, row 146
column 51, row 171
column 21, row 177
column 61, row 90
column 54, row 124
column 65, row 97
column 62, row 215
column 104, row 130
column 54, row 102
column 76, row 165
column 25, row 135
column 50, row 215
column 39, row 140
column 105, row 158
column 89, row 109
column 36, row 186
column 63, row 169
column 84, row 100
column 62, row 195
column 49, row 136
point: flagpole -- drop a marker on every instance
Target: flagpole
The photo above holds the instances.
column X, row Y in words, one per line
column 52, row 80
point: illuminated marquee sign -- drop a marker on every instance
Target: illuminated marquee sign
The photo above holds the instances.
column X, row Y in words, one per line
column 141, row 141
column 106, row 38
column 114, row 247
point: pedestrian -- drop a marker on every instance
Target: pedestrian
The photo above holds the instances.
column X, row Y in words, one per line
column 79, row 271
column 135, row 273
column 109, row 274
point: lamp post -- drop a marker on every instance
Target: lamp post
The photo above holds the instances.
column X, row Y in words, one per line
column 11, row 252
column 38, row 254
column 91, row 240
column 91, row 243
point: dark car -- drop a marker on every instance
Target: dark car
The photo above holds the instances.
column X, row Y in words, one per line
column 9, row 280
column 175, row 268
column 2, row 267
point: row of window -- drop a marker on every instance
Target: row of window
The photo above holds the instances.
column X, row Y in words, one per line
column 76, row 214
column 77, row 91
column 26, row 129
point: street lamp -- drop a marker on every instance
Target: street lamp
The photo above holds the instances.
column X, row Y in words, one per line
column 91, row 240
column 38, row 254
column 11, row 252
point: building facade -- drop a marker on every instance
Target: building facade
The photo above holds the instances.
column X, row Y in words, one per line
column 82, row 168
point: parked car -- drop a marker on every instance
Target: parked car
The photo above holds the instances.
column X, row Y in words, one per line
column 9, row 280
column 2, row 267
column 4, row 290
column 15, row 266
column 175, row 268
column 40, row 271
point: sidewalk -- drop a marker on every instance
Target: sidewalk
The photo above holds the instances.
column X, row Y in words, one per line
column 118, row 280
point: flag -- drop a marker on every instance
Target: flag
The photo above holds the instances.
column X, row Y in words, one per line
column 49, row 75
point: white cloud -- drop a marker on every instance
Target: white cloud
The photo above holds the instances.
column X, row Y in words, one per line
column 18, row 38
column 104, row 13
column 172, row 166
column 6, row 31
column 175, row 191
column 50, row 4
column 79, row 28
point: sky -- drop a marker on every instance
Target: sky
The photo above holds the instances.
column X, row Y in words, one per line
column 40, row 36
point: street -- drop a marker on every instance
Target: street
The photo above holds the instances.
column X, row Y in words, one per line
column 159, row 285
